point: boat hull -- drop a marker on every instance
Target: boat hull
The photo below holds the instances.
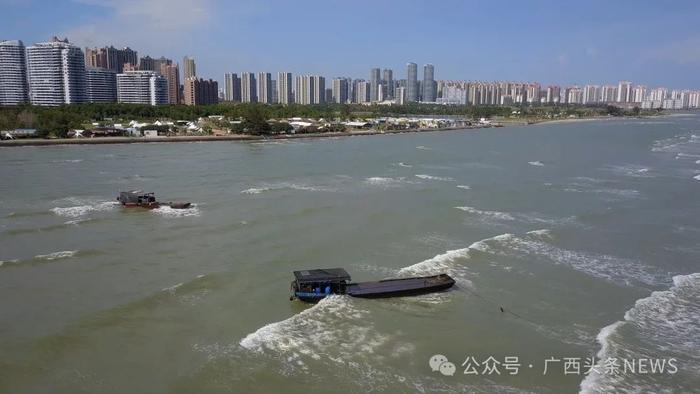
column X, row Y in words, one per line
column 401, row 287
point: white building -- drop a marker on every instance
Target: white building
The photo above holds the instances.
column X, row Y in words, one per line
column 56, row 72
column 264, row 88
column 303, row 93
column 101, row 85
column 13, row 73
column 249, row 91
column 142, row 87
column 624, row 92
column 284, row 88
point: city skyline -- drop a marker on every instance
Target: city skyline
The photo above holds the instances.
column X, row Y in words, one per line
column 548, row 42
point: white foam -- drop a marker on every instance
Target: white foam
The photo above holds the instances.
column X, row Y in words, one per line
column 434, row 178
column 170, row 212
column 286, row 185
column 82, row 210
column 632, row 170
column 255, row 190
column 402, row 164
column 665, row 323
column 536, row 163
column 57, row 255
column 697, row 177
column 386, row 182
column 613, row 269
column 464, row 187
column 329, row 330
column 421, row 147
column 491, row 214
column 173, row 287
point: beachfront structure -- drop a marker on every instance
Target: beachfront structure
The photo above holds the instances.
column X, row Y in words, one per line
column 13, row 73
column 200, row 91
column 264, row 88
column 142, row 87
column 101, row 85
column 248, row 88
column 429, row 87
column 56, row 72
column 284, row 88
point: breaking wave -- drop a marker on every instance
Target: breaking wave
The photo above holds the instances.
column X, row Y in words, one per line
column 490, row 214
column 85, row 208
column 434, row 178
column 617, row 270
column 286, row 185
column 536, row 163
column 464, row 187
column 328, row 331
column 662, row 326
column 57, row 255
column 169, row 212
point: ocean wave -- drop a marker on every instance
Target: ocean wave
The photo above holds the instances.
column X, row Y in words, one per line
column 464, row 187
column 56, row 255
column 663, row 325
column 328, row 331
column 402, row 164
column 631, row 170
column 287, row 185
column 387, row 182
column 166, row 211
column 434, row 178
column 85, row 208
column 536, row 163
column 617, row 270
column 67, row 161
column 697, row 177
column 421, row 147
column 490, row 214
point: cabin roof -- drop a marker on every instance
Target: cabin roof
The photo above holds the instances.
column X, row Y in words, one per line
column 321, row 275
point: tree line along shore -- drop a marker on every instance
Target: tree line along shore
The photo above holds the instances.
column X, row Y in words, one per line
column 241, row 119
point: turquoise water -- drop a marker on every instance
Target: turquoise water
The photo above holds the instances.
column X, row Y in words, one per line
column 585, row 233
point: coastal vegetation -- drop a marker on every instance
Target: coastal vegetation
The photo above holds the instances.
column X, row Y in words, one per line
column 254, row 118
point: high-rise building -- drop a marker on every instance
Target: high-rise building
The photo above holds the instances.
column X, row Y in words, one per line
column 147, row 63
column 188, row 68
column 553, row 93
column 110, row 58
column 591, row 94
column 400, row 95
column 411, row 82
column 304, row 89
column 374, row 82
column 284, row 88
column 340, row 90
column 361, row 89
column 232, row 87
column 608, row 94
column 249, row 92
column 429, row 87
column 142, row 87
column 101, row 85
column 639, row 93
column 264, row 88
column 171, row 72
column 624, row 92
column 319, row 89
column 13, row 73
column 201, row 91
column 388, row 83
column 56, row 72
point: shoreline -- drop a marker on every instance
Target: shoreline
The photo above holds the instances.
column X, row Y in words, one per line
column 249, row 137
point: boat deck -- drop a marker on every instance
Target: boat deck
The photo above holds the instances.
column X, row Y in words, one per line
column 394, row 287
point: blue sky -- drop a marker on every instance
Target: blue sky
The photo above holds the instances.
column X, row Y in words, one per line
column 651, row 42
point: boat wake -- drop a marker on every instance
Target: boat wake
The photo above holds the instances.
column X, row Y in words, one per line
column 661, row 326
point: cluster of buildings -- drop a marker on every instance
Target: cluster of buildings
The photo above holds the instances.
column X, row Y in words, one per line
column 381, row 87
column 56, row 73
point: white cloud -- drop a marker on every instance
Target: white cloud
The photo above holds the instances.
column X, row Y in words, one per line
column 150, row 26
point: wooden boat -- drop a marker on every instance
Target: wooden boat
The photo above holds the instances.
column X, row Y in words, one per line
column 139, row 199
column 314, row 285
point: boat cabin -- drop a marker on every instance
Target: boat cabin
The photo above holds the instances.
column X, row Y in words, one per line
column 137, row 198
column 313, row 285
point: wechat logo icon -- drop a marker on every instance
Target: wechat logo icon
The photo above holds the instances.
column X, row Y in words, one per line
column 439, row 362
